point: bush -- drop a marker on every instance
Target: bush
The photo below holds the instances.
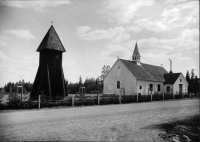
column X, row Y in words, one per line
column 129, row 98
column 157, row 97
column 168, row 96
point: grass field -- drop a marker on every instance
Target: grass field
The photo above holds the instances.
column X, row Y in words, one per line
column 125, row 122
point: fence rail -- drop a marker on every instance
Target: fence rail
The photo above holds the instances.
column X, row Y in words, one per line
column 99, row 99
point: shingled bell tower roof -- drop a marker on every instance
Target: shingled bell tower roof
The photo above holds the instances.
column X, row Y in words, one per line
column 51, row 41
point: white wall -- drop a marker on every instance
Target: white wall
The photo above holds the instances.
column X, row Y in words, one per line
column 183, row 82
column 165, row 88
column 145, row 85
column 126, row 79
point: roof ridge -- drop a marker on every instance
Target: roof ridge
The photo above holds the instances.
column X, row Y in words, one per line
column 152, row 65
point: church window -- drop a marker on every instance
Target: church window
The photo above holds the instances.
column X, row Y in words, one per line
column 158, row 87
column 151, row 87
column 180, row 80
column 118, row 84
column 140, row 87
column 168, row 88
column 118, row 67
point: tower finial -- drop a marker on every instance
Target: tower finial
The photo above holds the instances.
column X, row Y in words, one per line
column 52, row 22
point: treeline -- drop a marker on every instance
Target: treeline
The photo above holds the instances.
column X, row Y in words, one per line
column 192, row 81
column 91, row 85
column 12, row 87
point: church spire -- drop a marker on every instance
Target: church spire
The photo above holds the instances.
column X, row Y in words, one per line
column 136, row 55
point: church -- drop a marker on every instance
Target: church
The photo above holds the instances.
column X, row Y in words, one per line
column 134, row 77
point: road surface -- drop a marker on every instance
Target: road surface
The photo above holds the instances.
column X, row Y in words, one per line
column 124, row 122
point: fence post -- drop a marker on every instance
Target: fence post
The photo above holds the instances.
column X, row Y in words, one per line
column 72, row 100
column 120, row 98
column 98, row 97
column 39, row 101
column 163, row 97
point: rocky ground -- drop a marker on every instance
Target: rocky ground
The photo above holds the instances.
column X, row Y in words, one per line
column 183, row 130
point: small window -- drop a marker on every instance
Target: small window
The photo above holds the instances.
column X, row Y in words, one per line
column 151, row 87
column 118, row 67
column 168, row 88
column 118, row 84
column 158, row 87
column 180, row 80
column 140, row 87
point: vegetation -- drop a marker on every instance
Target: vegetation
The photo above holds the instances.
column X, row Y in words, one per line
column 11, row 87
column 91, row 85
column 192, row 81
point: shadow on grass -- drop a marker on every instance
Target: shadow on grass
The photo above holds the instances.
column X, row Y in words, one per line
column 183, row 130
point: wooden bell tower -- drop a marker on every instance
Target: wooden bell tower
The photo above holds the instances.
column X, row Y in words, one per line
column 49, row 79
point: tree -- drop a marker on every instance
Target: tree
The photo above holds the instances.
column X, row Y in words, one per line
column 187, row 76
column 80, row 81
column 192, row 81
column 188, row 80
column 196, row 85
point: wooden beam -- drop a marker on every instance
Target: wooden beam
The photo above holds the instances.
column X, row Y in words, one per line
column 40, row 82
column 49, row 83
column 63, row 82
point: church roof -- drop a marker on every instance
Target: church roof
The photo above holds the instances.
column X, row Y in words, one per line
column 145, row 71
column 136, row 51
column 51, row 41
column 170, row 78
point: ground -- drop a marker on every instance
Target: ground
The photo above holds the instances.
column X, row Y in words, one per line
column 124, row 122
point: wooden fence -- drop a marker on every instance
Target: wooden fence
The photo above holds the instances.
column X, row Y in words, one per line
column 99, row 99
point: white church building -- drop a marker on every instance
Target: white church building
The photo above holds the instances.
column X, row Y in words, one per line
column 133, row 77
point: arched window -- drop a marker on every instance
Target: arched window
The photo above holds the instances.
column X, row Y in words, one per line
column 118, row 67
column 118, row 84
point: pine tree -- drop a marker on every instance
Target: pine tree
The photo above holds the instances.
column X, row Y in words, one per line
column 80, row 81
column 196, row 85
column 192, row 81
column 188, row 80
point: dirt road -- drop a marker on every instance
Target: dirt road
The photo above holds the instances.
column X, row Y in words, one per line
column 125, row 122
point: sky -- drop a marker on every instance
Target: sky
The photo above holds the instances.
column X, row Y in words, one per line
column 96, row 32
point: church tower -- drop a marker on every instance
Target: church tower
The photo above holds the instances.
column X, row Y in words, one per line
column 49, row 79
column 136, row 55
